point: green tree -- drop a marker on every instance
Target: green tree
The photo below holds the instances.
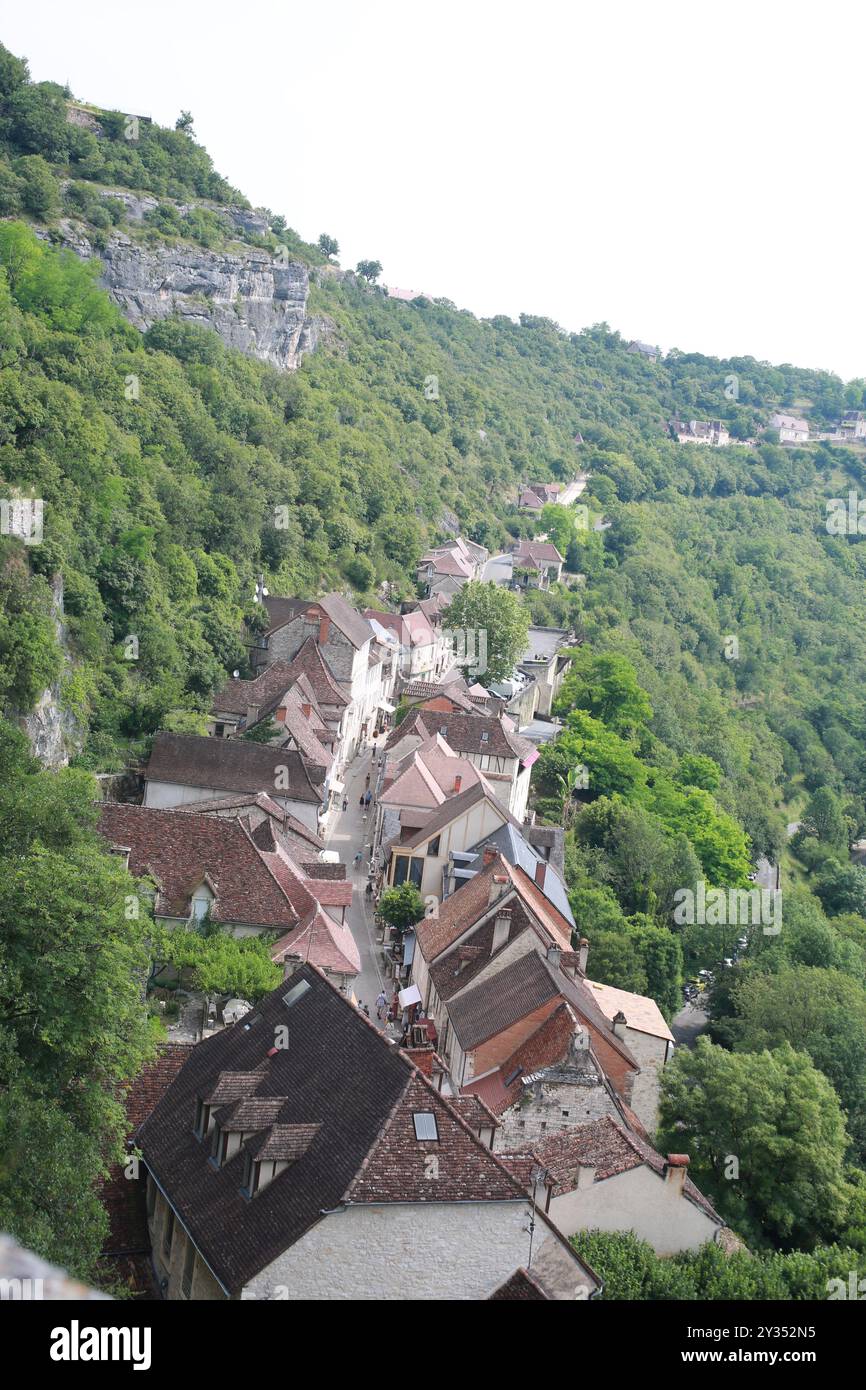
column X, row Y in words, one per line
column 371, row 270
column 328, row 245
column 401, row 907
column 825, row 819
column 772, row 1119
column 500, row 615
column 604, row 684
column 39, row 191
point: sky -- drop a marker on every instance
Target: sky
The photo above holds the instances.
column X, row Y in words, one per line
column 689, row 173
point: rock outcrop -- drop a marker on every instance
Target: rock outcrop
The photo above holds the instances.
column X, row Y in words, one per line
column 255, row 301
column 252, row 301
column 51, row 728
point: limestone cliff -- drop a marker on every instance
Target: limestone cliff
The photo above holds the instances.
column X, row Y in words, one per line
column 254, row 301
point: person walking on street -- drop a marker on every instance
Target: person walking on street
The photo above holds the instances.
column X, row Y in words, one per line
column 381, row 1004
column 358, row 857
column 345, row 803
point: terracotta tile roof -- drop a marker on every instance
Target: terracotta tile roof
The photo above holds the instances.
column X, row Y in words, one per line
column 521, row 1287
column 299, row 838
column 230, row 764
column 463, row 732
column 535, row 554
column 324, row 943
column 642, row 1013
column 236, row 696
column 474, row 1111
column 299, row 728
column 609, row 1148
column 396, row 1167
column 309, row 661
column 549, row 1044
column 361, row 1094
column 180, row 850
column 470, row 904
column 458, row 912
column 494, row 1005
column 410, row 629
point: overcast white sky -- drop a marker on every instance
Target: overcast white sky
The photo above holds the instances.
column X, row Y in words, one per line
column 690, row 172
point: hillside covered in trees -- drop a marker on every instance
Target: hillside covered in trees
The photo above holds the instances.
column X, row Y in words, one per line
column 174, row 470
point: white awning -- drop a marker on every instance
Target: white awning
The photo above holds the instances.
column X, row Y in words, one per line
column 338, row 788
column 409, row 996
column 385, row 707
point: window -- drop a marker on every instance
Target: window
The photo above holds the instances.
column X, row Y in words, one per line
column 408, row 870
column 425, row 1125
column 433, row 847
column 168, row 1233
column 485, row 736
column 250, row 1178
column 565, row 1114
column 219, row 730
column 188, row 1268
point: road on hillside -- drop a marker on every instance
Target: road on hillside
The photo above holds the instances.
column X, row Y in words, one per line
column 498, row 570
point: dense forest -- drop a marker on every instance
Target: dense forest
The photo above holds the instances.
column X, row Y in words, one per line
column 714, row 704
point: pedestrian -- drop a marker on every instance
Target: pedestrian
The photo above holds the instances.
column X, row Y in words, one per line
column 367, row 797
column 367, row 781
column 345, row 803
column 358, row 857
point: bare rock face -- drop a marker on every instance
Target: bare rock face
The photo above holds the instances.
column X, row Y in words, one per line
column 51, row 728
column 254, row 303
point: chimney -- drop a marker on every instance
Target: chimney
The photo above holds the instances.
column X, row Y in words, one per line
column 488, row 854
column 619, row 1024
column 676, row 1172
column 497, row 887
column 458, row 780
column 554, row 956
column 540, row 871
column 324, row 629
column 501, row 928
column 280, row 715
column 583, row 953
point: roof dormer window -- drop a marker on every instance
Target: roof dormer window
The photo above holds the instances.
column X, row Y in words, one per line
column 425, row 1125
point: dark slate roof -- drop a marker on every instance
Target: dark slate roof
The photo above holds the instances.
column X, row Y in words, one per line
column 233, row 765
column 354, row 1096
column 514, row 847
column 341, row 613
column 497, row 1003
column 236, row 696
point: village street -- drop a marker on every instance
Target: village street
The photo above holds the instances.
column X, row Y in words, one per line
column 350, row 832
